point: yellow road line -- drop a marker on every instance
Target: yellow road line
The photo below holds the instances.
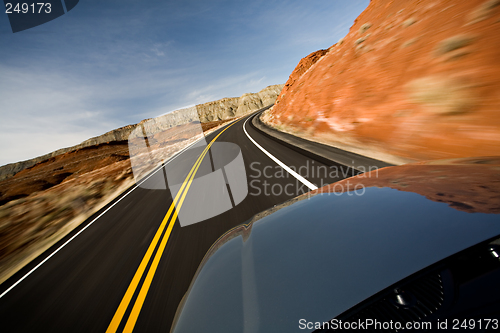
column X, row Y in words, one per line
column 115, row 322
column 122, row 308
column 134, row 315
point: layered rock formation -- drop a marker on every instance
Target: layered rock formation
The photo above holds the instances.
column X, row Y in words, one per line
column 412, row 80
column 119, row 134
column 222, row 109
column 226, row 108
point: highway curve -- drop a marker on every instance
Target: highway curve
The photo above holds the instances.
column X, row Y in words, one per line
column 113, row 274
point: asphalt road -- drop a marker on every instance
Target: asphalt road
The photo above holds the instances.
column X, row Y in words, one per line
column 80, row 288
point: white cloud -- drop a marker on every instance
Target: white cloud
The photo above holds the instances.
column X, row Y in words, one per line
column 44, row 112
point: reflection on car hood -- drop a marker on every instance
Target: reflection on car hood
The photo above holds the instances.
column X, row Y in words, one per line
column 471, row 184
column 323, row 254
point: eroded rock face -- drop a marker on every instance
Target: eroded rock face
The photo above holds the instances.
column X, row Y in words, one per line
column 413, row 80
column 218, row 110
column 116, row 135
column 269, row 94
column 226, row 108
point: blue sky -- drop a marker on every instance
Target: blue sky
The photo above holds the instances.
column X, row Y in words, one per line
column 107, row 64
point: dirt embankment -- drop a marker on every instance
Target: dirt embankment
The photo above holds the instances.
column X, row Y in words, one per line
column 412, row 80
column 41, row 204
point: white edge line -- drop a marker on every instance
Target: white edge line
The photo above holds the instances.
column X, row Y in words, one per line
column 90, row 223
column 281, row 164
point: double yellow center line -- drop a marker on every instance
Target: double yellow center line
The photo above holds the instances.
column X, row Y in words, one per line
column 168, row 221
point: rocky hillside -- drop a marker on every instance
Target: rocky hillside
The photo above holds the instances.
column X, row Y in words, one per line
column 119, row 134
column 41, row 204
column 412, row 80
column 222, row 109
column 234, row 107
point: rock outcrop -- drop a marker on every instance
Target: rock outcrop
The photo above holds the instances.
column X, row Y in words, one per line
column 269, row 94
column 218, row 110
column 412, row 80
column 222, row 109
column 226, row 108
column 116, row 135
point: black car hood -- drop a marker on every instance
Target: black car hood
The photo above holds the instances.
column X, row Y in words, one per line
column 320, row 256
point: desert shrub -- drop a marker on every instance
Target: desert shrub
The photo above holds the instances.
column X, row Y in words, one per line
column 442, row 95
column 483, row 11
column 364, row 28
column 453, row 43
column 408, row 22
column 361, row 40
column 409, row 42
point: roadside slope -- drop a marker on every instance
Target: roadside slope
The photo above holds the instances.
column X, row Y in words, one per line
column 412, row 80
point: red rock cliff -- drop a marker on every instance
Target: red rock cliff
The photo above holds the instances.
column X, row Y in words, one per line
column 412, row 80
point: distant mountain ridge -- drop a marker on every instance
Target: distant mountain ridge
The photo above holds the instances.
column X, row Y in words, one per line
column 222, row 109
column 226, row 108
